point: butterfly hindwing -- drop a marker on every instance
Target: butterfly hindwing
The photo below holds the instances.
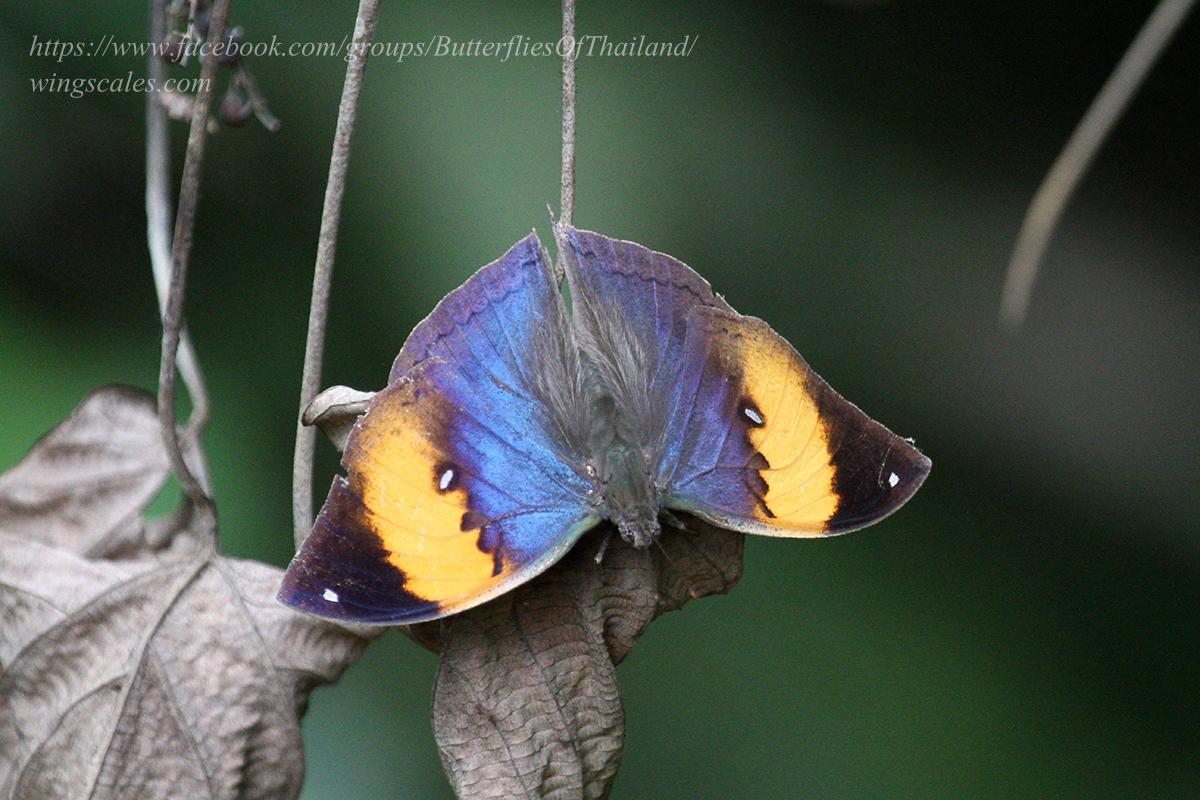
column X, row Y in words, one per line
column 456, row 491
column 768, row 447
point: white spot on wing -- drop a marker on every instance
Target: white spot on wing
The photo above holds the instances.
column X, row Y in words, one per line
column 444, row 481
column 753, row 415
column 893, row 479
column 330, row 595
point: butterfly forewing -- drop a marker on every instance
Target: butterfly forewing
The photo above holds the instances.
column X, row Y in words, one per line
column 456, row 489
column 769, row 447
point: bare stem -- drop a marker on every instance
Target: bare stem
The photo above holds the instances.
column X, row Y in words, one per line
column 181, row 248
column 567, row 200
column 158, row 225
column 331, row 215
column 1060, row 182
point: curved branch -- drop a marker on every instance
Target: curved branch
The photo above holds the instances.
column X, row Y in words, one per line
column 158, row 227
column 331, row 215
column 1051, row 199
column 181, row 248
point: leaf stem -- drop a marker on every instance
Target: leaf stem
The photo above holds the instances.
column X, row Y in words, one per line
column 314, row 349
column 1052, row 196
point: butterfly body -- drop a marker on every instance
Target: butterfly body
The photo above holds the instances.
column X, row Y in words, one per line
column 511, row 425
column 619, row 469
column 631, row 500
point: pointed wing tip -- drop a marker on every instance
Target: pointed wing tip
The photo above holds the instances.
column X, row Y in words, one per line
column 525, row 252
column 918, row 467
column 524, row 262
column 295, row 594
column 529, row 242
column 898, row 479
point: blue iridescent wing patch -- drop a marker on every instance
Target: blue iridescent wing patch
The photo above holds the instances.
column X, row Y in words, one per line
column 456, row 491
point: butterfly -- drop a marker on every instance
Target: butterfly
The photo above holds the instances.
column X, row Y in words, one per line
column 511, row 425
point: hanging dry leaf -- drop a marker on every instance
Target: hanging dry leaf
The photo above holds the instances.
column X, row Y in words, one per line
column 171, row 673
column 527, row 703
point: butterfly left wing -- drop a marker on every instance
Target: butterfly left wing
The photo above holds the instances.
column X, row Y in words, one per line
column 745, row 434
column 768, row 447
column 456, row 490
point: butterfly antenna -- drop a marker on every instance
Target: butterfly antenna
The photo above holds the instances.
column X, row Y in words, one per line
column 663, row 550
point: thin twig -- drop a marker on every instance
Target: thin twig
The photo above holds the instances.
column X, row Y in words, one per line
column 1052, row 196
column 331, row 215
column 181, row 248
column 567, row 200
column 258, row 103
column 158, row 226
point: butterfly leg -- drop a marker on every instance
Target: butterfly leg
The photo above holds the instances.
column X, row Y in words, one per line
column 673, row 521
column 600, row 551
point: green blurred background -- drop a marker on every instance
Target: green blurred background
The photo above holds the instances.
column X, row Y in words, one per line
column 854, row 173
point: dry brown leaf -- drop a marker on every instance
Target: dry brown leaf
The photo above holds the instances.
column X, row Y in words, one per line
column 171, row 673
column 526, row 703
column 335, row 411
column 83, row 486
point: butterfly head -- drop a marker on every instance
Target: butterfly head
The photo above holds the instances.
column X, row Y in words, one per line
column 639, row 530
